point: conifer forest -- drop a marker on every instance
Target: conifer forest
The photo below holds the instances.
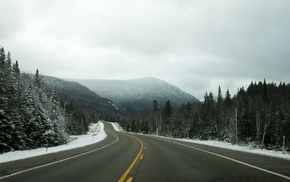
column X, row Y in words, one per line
column 258, row 116
column 29, row 117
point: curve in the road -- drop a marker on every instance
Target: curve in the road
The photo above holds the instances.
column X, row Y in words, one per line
column 62, row 160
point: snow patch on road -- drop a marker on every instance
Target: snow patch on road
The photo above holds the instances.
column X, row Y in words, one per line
column 95, row 134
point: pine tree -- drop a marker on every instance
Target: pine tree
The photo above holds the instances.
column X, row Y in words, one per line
column 167, row 115
column 229, row 116
column 57, row 117
column 167, row 112
column 155, row 105
column 37, row 79
column 208, row 117
column 220, row 112
column 155, row 109
column 6, row 125
column 265, row 96
column 228, row 99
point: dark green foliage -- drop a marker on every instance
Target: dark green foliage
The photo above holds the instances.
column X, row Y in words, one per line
column 263, row 116
column 167, row 112
column 155, row 105
column 78, row 121
column 208, row 117
column 83, row 99
column 133, row 126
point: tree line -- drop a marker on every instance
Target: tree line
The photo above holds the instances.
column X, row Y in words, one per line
column 29, row 117
column 258, row 115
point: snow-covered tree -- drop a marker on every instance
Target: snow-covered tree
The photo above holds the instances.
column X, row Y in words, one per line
column 26, row 120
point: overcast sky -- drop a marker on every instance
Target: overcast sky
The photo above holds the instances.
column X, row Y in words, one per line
column 196, row 45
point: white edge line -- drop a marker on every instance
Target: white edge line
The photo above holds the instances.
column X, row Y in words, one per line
column 234, row 160
column 79, row 155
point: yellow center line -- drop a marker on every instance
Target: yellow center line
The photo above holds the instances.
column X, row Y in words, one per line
column 124, row 176
column 130, row 179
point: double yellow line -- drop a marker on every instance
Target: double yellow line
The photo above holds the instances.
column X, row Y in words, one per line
column 124, row 176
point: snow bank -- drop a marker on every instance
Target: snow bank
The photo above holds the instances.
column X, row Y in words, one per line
column 248, row 149
column 96, row 134
column 116, row 126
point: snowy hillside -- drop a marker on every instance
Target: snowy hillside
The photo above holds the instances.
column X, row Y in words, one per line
column 137, row 95
column 81, row 97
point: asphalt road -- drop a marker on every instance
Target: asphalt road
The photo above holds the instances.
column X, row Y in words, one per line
column 123, row 156
column 169, row 160
column 106, row 161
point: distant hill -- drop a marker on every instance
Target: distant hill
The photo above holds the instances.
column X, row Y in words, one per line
column 137, row 95
column 81, row 97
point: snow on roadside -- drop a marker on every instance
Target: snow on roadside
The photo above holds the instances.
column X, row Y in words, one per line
column 225, row 145
column 95, row 134
column 248, row 149
column 116, row 126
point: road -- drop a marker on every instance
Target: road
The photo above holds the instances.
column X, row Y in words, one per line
column 123, row 156
column 169, row 160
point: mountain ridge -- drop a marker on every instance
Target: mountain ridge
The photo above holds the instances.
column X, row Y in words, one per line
column 81, row 97
column 137, row 95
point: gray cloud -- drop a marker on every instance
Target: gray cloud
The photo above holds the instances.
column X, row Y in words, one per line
column 11, row 21
column 196, row 45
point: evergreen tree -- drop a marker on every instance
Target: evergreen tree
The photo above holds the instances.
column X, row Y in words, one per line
column 208, row 117
column 228, row 99
column 265, row 96
column 188, row 112
column 57, row 117
column 155, row 105
column 167, row 115
column 2, row 57
column 220, row 125
column 155, row 109
column 133, row 126
column 167, row 112
column 24, row 113
column 6, row 125
column 229, row 117
column 37, row 79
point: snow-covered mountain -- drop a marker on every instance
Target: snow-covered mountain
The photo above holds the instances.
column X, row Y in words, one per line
column 81, row 97
column 137, row 95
